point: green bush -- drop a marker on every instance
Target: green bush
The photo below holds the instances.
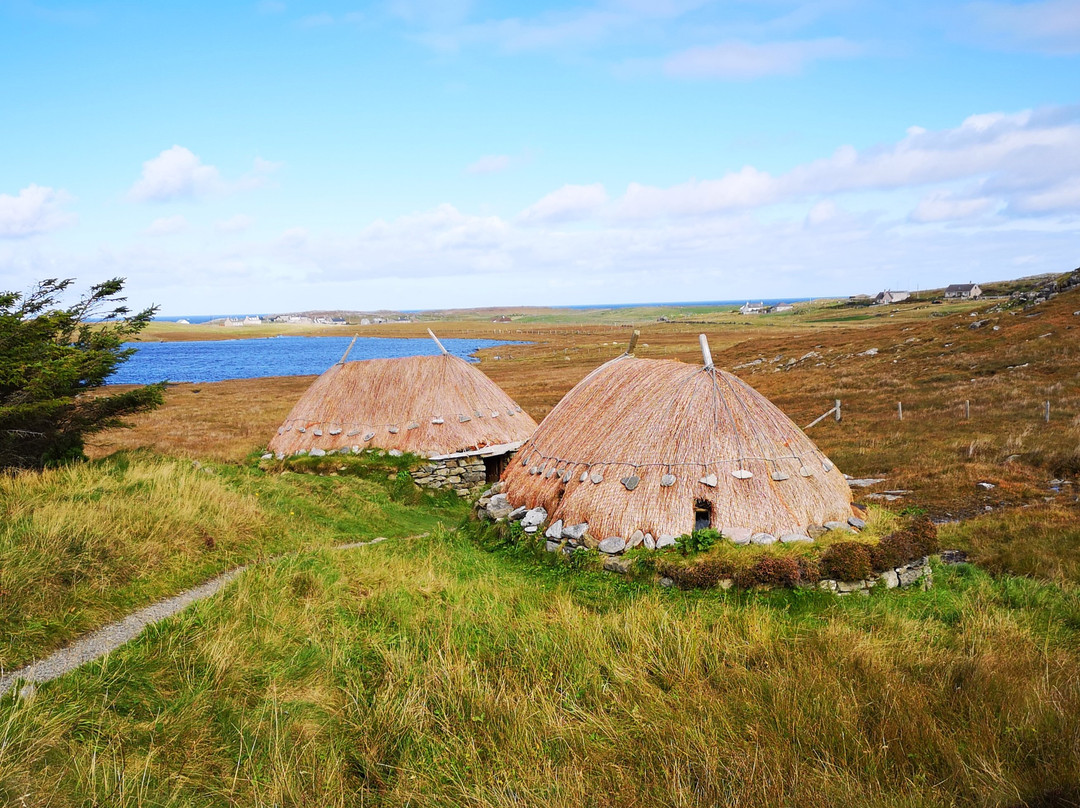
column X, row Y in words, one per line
column 699, row 541
column 51, row 357
column 581, row 558
column 514, row 532
column 846, row 561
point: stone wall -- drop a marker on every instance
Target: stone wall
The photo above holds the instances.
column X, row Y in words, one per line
column 464, row 475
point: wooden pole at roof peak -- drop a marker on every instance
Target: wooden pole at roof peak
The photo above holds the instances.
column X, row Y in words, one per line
column 441, row 347
column 706, row 354
column 633, row 342
column 346, row 354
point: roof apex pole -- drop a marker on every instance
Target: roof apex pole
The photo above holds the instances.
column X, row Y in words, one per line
column 633, row 342
column 706, row 354
column 441, row 347
column 346, row 354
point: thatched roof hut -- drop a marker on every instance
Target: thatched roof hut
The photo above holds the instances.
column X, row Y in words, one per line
column 427, row 405
column 658, row 446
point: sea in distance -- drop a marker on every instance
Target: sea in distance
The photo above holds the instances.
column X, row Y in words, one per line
column 218, row 360
column 195, row 319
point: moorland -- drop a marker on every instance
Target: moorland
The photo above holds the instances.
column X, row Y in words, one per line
column 442, row 668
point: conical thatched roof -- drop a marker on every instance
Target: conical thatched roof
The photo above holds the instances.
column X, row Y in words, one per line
column 638, row 442
column 427, row 405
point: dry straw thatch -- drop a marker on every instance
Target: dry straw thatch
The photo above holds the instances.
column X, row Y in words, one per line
column 639, row 442
column 427, row 405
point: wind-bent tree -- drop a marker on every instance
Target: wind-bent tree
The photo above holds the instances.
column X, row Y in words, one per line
column 51, row 359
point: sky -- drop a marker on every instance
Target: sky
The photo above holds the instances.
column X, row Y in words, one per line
column 279, row 155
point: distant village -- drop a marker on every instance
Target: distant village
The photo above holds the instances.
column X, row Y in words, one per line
column 955, row 291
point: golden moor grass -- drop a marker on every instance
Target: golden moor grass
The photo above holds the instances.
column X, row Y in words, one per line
column 639, row 441
column 426, row 405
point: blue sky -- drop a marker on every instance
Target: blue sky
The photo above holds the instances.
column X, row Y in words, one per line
column 272, row 156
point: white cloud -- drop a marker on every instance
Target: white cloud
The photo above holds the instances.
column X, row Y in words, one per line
column 36, row 209
column 167, row 226
column 235, row 224
column 823, row 212
column 942, row 206
column 1012, row 155
column 1062, row 196
column 490, row 164
column 995, row 190
column 569, row 203
column 746, row 60
column 177, row 173
column 1049, row 26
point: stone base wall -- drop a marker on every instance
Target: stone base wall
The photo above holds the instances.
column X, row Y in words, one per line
column 465, row 475
column 917, row 572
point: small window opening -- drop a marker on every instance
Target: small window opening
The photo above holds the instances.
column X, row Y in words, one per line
column 702, row 514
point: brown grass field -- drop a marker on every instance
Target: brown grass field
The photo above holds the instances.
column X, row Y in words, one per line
column 927, row 357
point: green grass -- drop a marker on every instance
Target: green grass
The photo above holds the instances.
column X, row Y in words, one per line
column 431, row 672
column 1039, row 542
column 83, row 545
column 451, row 669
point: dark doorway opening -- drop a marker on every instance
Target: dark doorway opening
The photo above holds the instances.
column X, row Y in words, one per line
column 494, row 467
column 702, row 514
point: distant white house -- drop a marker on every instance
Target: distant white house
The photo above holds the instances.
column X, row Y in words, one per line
column 783, row 307
column 890, row 296
column 753, row 308
column 236, row 322
column 963, row 291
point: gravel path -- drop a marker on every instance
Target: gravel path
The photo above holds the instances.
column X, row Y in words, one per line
column 99, row 643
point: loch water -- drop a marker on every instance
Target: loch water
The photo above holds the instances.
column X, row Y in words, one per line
column 218, row 360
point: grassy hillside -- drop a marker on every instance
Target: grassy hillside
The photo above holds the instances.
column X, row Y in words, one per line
column 432, row 672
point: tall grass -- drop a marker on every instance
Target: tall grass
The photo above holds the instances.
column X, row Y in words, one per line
column 85, row 544
column 427, row 672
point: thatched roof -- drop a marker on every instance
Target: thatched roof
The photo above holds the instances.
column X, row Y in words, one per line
column 637, row 442
column 427, row 405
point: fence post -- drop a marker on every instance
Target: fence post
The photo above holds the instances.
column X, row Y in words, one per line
column 837, row 410
column 900, row 410
column 1048, row 411
column 967, row 410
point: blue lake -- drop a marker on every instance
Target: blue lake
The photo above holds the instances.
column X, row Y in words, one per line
column 217, row 360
